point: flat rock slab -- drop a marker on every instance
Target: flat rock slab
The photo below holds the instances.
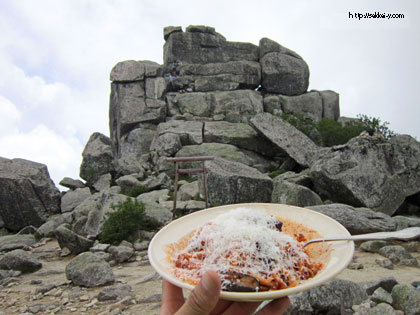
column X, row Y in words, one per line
column 297, row 145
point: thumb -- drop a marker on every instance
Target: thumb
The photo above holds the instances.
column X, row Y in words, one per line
column 204, row 297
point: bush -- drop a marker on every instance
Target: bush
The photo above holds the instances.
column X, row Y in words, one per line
column 334, row 133
column 276, row 173
column 376, row 125
column 125, row 222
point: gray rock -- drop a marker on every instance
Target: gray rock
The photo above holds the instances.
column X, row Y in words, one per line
column 74, row 242
column 156, row 196
column 385, row 283
column 268, row 46
column 103, row 183
column 128, row 182
column 48, row 228
column 369, row 172
column 202, row 45
column 11, row 242
column 327, row 298
column 403, row 222
column 380, row 309
column 27, row 194
column 309, row 105
column 129, row 108
column 189, row 132
column 381, row 296
column 232, row 106
column 406, row 299
column 121, row 253
column 143, row 245
column 395, row 253
column 136, row 142
column 4, row 274
column 385, row 263
column 20, row 260
column 224, row 151
column 97, row 158
column 159, row 213
column 89, row 216
column 372, row 246
column 291, row 194
column 161, row 181
column 357, row 220
column 127, row 71
column 71, row 183
column 168, row 30
column 284, row 74
column 412, row 262
column 231, row 182
column 237, row 134
column 331, row 107
column 115, row 293
column 220, row 76
column 88, row 270
column 155, row 87
column 99, row 248
column 298, row 146
column 73, row 198
column 188, row 191
column 166, row 144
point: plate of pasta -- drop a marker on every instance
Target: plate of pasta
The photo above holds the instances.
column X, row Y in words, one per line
column 256, row 249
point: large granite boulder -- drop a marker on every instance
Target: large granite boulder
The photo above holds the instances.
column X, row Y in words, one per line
column 16, row 241
column 202, row 44
column 238, row 134
column 88, row 270
column 68, row 239
column 224, row 76
column 233, row 106
column 89, row 216
column 286, row 137
column 369, row 172
column 27, row 194
column 357, row 220
column 282, row 71
column 231, row 182
column 288, row 193
column 72, row 198
column 333, row 297
column 313, row 105
column 97, row 158
column 20, row 260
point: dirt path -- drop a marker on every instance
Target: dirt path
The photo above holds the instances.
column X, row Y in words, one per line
column 29, row 294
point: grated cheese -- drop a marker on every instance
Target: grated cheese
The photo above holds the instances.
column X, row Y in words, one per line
column 245, row 241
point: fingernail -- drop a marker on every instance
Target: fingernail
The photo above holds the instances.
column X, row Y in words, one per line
column 208, row 284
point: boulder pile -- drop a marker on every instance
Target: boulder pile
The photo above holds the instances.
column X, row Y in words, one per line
column 213, row 97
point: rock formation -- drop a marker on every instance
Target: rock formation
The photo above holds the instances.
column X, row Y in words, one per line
column 226, row 99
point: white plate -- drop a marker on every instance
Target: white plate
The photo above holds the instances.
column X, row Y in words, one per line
column 340, row 256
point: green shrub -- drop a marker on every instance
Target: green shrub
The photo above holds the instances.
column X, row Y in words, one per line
column 333, row 132
column 125, row 222
column 376, row 125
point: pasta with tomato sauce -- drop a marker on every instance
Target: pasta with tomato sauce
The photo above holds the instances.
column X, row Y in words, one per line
column 246, row 244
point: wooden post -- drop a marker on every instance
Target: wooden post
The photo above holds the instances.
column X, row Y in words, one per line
column 178, row 171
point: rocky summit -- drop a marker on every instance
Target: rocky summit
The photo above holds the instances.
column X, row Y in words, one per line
column 218, row 98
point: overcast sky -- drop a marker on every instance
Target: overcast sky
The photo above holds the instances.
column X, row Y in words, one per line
column 56, row 56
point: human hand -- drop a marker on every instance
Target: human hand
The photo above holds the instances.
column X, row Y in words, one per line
column 204, row 299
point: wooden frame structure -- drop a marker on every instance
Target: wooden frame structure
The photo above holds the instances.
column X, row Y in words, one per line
column 179, row 171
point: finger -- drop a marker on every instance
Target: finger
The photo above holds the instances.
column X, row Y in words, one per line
column 172, row 298
column 276, row 307
column 220, row 307
column 243, row 308
column 204, row 297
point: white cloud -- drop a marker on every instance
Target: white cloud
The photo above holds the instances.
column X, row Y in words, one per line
column 9, row 117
